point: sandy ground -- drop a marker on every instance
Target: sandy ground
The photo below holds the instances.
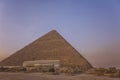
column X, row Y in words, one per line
column 40, row 76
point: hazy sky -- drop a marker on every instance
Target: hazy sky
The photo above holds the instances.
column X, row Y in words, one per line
column 91, row 26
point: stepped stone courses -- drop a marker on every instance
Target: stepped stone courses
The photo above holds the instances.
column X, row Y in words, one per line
column 51, row 46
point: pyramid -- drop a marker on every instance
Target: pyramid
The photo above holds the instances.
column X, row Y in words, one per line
column 51, row 46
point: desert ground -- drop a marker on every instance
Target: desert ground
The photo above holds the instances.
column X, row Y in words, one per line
column 41, row 76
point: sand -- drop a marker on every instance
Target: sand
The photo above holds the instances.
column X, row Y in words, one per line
column 41, row 76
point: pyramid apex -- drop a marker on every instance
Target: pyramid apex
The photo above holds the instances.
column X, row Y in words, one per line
column 53, row 30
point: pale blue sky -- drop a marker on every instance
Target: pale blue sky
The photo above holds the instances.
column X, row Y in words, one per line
column 88, row 25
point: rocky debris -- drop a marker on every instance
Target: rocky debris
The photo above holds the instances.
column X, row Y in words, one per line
column 110, row 72
column 13, row 69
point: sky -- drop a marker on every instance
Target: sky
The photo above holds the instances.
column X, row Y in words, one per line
column 91, row 26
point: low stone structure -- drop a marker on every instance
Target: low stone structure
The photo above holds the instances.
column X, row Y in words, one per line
column 42, row 65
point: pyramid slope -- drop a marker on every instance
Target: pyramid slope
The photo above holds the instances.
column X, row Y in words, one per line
column 51, row 46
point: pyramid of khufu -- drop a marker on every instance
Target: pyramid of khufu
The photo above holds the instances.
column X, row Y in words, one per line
column 51, row 46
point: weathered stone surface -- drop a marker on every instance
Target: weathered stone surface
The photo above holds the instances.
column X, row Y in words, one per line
column 51, row 46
